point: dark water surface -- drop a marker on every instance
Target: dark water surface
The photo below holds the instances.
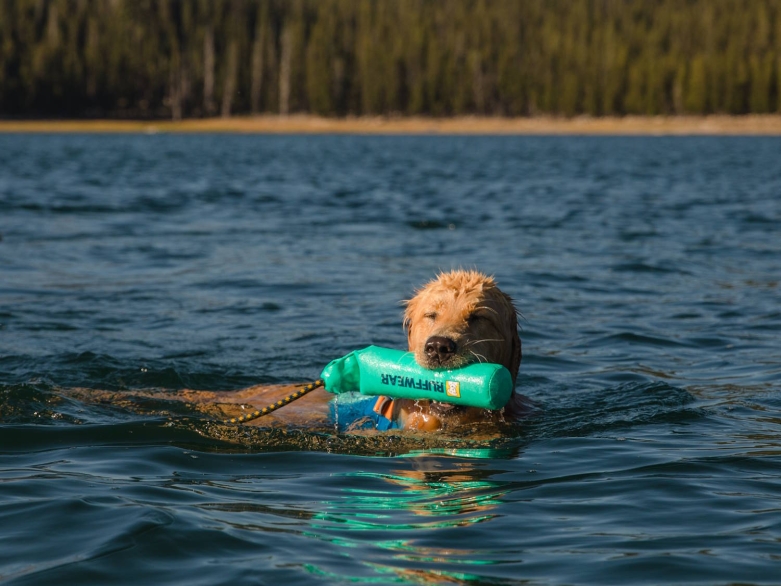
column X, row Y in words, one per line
column 647, row 271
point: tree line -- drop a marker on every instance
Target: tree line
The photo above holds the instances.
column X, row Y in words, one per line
column 197, row 58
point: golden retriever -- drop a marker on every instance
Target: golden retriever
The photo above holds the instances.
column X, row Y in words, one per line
column 459, row 318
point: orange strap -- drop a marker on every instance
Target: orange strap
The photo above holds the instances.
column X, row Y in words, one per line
column 384, row 407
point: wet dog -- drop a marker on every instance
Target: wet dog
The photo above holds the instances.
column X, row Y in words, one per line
column 459, row 318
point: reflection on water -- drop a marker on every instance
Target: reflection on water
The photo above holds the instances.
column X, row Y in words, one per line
column 430, row 493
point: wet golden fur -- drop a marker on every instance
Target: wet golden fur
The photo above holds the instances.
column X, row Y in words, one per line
column 468, row 308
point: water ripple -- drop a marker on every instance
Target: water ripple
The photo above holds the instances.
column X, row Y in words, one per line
column 134, row 266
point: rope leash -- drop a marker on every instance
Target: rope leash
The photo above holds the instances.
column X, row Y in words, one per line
column 281, row 403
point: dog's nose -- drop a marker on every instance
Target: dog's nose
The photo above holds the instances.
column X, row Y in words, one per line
column 440, row 349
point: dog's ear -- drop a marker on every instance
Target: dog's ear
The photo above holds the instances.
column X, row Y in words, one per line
column 516, row 353
column 411, row 306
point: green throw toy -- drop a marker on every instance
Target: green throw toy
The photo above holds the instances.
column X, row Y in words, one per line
column 393, row 373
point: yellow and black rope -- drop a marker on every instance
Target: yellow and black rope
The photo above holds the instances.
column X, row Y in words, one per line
column 281, row 403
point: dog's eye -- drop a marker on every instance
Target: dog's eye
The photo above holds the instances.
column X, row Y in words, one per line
column 473, row 317
column 432, row 315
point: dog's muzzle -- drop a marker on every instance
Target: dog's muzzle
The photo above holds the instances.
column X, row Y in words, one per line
column 440, row 350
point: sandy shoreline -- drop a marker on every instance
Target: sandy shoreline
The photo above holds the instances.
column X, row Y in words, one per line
column 630, row 125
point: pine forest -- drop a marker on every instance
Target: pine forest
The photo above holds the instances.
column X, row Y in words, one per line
column 199, row 58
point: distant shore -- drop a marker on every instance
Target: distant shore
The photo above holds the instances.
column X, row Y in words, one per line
column 304, row 124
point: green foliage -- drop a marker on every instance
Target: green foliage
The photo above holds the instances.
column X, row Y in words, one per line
column 179, row 58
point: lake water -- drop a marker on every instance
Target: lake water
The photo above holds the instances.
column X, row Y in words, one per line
column 647, row 271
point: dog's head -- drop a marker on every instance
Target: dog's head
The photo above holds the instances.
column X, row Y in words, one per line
column 462, row 317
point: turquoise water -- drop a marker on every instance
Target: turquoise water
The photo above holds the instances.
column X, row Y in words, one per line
column 647, row 272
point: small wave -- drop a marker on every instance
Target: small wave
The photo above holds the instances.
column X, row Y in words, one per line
column 431, row 225
column 635, row 339
column 177, row 370
column 641, row 267
column 96, row 535
column 67, row 209
column 611, row 409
